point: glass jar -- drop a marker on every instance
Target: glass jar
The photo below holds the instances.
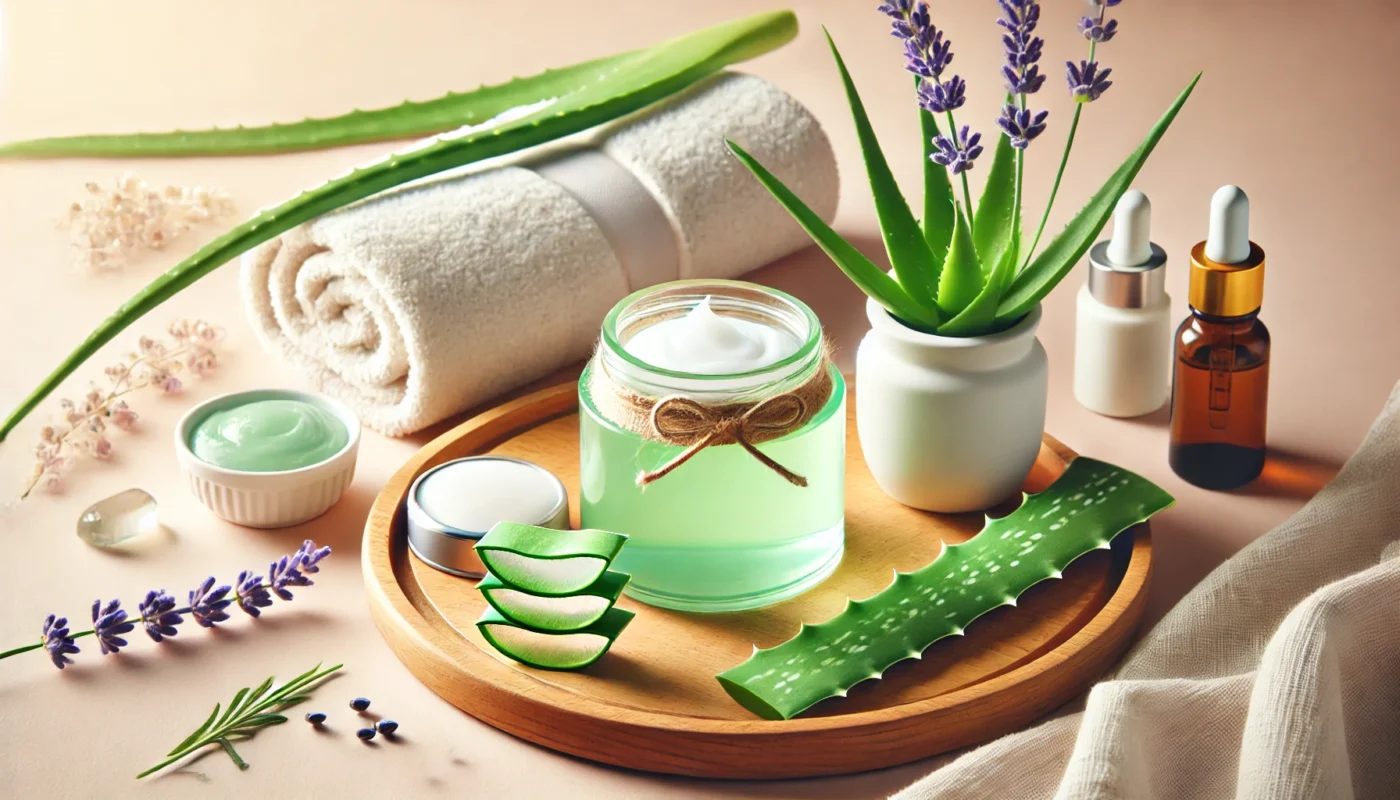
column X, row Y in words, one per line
column 722, row 532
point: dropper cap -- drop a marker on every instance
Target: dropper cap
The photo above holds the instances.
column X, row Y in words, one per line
column 1227, row 269
column 1128, row 270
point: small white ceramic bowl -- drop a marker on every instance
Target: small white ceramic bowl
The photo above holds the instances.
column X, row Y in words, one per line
column 268, row 499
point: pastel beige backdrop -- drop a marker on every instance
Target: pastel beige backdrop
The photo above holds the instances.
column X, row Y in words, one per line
column 1293, row 107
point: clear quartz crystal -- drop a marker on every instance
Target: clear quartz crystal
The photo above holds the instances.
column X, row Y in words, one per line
column 122, row 516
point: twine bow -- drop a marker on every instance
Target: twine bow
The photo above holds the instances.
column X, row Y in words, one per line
column 681, row 421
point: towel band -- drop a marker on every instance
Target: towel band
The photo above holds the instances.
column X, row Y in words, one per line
column 631, row 219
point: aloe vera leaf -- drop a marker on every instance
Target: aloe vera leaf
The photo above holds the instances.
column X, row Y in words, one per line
column 938, row 197
column 1082, row 511
column 408, row 119
column 543, row 612
column 962, row 279
column 556, row 650
column 1059, row 257
column 992, row 224
column 544, row 561
column 644, row 78
column 904, row 241
column 980, row 315
column 862, row 271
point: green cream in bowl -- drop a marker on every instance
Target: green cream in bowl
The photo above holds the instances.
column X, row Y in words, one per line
column 268, row 458
column 272, row 435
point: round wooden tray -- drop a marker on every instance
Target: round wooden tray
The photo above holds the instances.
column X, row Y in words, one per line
column 653, row 702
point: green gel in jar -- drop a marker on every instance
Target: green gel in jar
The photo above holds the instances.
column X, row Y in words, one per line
column 269, row 436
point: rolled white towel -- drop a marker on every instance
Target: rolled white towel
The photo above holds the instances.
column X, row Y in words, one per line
column 426, row 301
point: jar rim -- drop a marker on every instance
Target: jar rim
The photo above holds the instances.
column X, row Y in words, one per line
column 809, row 351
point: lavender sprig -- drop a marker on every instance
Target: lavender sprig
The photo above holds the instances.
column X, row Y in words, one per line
column 928, row 53
column 1087, row 82
column 109, row 624
column 1023, row 51
column 159, row 617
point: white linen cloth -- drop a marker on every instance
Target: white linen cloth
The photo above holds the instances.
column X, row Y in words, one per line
column 423, row 302
column 1277, row 677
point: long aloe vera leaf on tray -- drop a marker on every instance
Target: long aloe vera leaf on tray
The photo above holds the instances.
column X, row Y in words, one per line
column 1082, row 511
column 545, row 114
column 544, row 612
column 557, row 650
column 548, row 562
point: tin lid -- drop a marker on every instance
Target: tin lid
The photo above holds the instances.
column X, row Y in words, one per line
column 453, row 505
column 1141, row 286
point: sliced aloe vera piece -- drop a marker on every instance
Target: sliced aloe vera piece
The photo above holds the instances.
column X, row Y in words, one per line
column 560, row 614
column 544, row 561
column 558, row 650
column 1082, row 511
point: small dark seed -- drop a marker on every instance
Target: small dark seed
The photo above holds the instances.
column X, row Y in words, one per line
column 365, row 733
column 360, row 703
column 315, row 718
column 387, row 726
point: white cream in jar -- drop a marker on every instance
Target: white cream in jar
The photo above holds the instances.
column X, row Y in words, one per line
column 705, row 343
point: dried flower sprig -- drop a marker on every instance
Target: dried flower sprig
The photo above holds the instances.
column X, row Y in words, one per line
column 107, row 225
column 249, row 712
column 159, row 617
column 82, row 426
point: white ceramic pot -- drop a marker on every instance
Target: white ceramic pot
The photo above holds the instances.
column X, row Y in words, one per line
column 950, row 424
column 268, row 499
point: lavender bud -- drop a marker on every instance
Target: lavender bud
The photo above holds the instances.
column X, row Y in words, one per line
column 57, row 641
column 1086, row 81
column 108, row 624
column 1021, row 125
column 958, row 152
column 158, row 614
column 206, row 606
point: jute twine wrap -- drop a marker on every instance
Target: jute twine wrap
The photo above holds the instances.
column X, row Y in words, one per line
column 683, row 422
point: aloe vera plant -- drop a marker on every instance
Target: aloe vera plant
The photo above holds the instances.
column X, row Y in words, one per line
column 965, row 270
column 1082, row 511
column 501, row 120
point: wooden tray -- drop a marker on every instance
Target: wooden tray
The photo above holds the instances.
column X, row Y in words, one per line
column 653, row 703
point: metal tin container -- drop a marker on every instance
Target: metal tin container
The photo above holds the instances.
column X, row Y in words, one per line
column 444, row 526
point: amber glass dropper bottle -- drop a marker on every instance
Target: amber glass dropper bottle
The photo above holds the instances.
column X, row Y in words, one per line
column 1220, row 391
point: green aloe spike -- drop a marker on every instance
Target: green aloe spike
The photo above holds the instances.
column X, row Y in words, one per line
column 637, row 81
column 1082, row 511
column 403, row 121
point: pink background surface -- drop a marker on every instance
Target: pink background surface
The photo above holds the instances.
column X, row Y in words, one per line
column 1294, row 107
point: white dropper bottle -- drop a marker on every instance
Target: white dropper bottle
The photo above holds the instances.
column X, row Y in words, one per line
column 1123, row 327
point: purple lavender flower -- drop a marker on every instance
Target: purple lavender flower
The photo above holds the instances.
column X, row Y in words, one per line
column 940, row 97
column 207, row 604
column 283, row 573
column 57, row 641
column 109, row 624
column 1021, row 125
column 957, row 153
column 1023, row 50
column 310, row 554
column 1086, row 81
column 252, row 593
column 1096, row 30
column 158, row 614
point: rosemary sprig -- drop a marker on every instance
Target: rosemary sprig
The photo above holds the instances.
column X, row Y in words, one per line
column 249, row 712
